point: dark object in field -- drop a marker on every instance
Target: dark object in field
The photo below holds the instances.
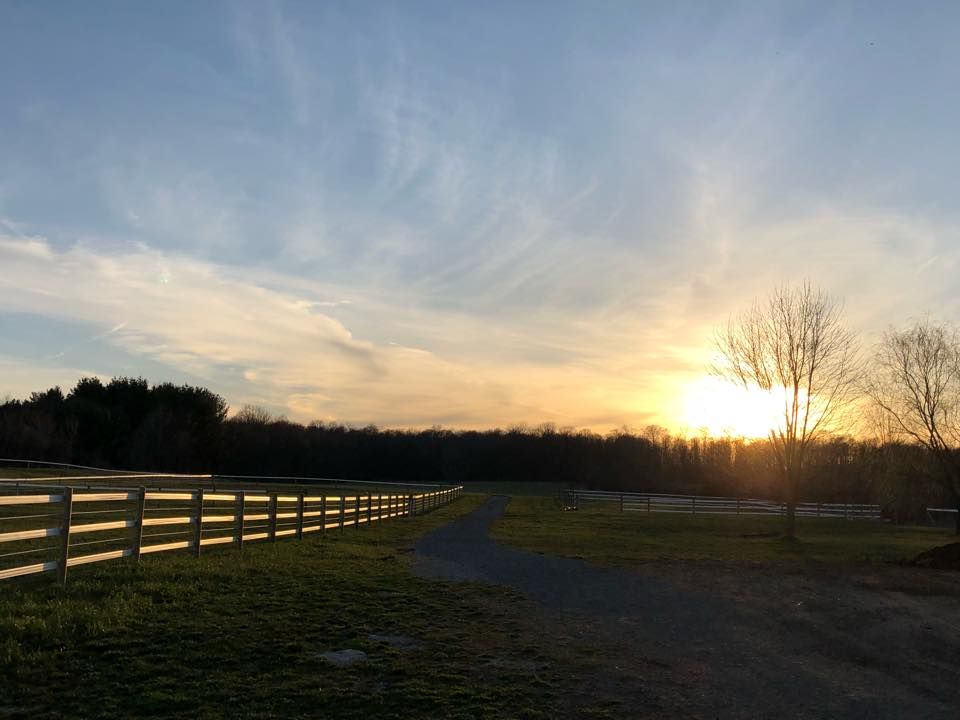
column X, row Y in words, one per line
column 344, row 658
column 945, row 557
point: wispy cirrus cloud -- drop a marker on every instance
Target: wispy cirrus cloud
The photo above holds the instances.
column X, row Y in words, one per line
column 410, row 217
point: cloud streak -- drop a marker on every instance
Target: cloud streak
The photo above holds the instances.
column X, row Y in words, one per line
column 412, row 218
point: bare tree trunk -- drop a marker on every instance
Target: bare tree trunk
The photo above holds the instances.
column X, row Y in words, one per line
column 791, row 486
column 953, row 476
column 791, row 528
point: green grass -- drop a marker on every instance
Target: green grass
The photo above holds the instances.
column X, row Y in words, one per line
column 41, row 476
column 606, row 536
column 237, row 634
column 538, row 489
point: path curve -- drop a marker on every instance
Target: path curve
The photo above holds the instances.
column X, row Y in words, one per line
column 745, row 665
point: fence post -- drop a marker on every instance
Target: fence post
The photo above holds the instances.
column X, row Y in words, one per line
column 411, row 506
column 241, row 503
column 323, row 514
column 648, row 504
column 356, row 515
column 369, row 508
column 198, row 531
column 379, row 507
column 138, row 528
column 621, row 502
column 272, row 517
column 738, row 506
column 818, row 508
column 694, row 504
column 65, row 535
column 343, row 509
column 300, row 516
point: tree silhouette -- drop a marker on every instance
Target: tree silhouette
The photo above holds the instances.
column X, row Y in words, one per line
column 794, row 346
column 916, row 385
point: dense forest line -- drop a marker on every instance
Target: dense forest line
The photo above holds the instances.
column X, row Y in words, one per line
column 129, row 424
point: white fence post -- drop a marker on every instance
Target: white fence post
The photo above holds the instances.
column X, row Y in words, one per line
column 138, row 528
column 300, row 516
column 241, row 507
column 272, row 517
column 198, row 530
column 65, row 535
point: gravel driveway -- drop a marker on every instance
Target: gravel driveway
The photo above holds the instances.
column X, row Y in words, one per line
column 722, row 642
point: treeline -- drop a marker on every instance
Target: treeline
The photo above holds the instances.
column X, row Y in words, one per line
column 129, row 424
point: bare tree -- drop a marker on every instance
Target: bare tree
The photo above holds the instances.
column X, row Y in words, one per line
column 795, row 347
column 916, row 384
column 254, row 415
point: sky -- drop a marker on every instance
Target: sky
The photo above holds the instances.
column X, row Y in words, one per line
column 461, row 214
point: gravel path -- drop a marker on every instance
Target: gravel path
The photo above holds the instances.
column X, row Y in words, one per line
column 697, row 653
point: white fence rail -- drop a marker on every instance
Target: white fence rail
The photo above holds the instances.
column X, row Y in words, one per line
column 713, row 505
column 45, row 528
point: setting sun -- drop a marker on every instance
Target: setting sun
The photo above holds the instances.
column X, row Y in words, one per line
column 720, row 407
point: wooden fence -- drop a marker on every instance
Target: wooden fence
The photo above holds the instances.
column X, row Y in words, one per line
column 713, row 505
column 54, row 528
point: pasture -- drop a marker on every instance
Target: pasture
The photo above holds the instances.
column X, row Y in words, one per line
column 600, row 534
column 239, row 634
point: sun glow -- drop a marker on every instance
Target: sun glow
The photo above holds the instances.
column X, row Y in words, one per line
column 722, row 408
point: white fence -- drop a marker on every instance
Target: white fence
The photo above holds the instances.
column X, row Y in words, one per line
column 50, row 528
column 713, row 505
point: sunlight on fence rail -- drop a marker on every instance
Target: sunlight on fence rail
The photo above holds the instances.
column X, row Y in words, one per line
column 713, row 505
column 51, row 528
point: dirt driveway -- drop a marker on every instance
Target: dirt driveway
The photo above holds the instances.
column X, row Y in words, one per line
column 708, row 641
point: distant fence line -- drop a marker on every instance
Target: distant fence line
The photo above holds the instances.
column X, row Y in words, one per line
column 66, row 526
column 714, row 505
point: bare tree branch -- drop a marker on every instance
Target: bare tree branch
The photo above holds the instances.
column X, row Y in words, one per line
column 915, row 383
column 795, row 347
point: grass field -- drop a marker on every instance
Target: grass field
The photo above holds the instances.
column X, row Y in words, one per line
column 536, row 489
column 604, row 535
column 40, row 476
column 237, row 635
